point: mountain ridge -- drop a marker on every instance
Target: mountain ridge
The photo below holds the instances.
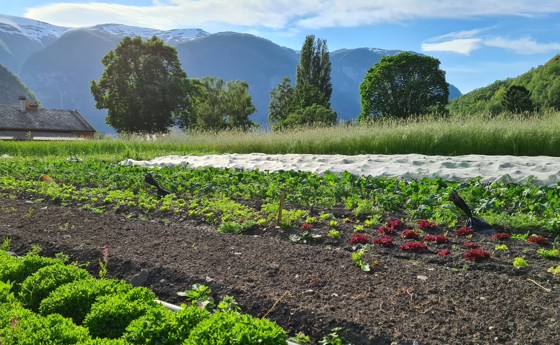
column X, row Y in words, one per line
column 60, row 70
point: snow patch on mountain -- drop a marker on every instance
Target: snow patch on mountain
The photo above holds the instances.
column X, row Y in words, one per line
column 168, row 36
column 44, row 32
column 33, row 29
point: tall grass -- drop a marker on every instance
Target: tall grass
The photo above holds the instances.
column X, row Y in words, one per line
column 533, row 135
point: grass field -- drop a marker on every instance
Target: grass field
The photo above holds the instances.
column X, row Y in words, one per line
column 503, row 135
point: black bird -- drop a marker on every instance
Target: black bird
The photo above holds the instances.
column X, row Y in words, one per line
column 160, row 191
column 477, row 224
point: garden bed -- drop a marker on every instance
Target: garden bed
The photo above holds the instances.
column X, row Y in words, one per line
column 315, row 286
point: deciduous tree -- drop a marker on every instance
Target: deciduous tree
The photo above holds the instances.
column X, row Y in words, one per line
column 403, row 85
column 281, row 102
column 220, row 105
column 143, row 86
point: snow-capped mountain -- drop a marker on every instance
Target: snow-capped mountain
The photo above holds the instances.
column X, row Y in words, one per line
column 58, row 63
column 173, row 37
column 44, row 32
column 32, row 29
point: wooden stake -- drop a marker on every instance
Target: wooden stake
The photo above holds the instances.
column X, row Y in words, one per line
column 280, row 208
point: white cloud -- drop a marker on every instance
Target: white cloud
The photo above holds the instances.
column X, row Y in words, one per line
column 524, row 45
column 465, row 42
column 462, row 46
column 282, row 14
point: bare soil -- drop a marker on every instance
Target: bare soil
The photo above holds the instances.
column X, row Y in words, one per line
column 312, row 287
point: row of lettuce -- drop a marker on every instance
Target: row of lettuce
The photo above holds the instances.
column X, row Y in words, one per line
column 235, row 200
column 48, row 301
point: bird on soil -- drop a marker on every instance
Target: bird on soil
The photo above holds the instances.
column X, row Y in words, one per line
column 160, row 191
column 475, row 223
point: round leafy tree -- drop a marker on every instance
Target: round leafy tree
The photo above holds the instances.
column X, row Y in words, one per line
column 143, row 86
column 403, row 85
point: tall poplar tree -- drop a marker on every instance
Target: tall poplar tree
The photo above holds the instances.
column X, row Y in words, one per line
column 308, row 102
column 313, row 73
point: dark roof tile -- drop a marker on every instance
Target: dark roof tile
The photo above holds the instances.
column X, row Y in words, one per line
column 11, row 117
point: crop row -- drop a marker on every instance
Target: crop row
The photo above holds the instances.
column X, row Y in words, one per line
column 236, row 200
column 46, row 301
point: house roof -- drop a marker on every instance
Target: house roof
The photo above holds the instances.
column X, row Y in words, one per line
column 57, row 120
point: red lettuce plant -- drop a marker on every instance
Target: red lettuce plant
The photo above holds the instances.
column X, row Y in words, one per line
column 464, row 231
column 383, row 230
column 395, row 223
column 470, row 245
column 410, row 234
column 426, row 225
column 306, row 226
column 537, row 239
column 386, row 241
column 501, row 236
column 436, row 238
column 477, row 255
column 358, row 239
column 444, row 252
column 414, row 247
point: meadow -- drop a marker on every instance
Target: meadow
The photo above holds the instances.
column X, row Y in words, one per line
column 506, row 134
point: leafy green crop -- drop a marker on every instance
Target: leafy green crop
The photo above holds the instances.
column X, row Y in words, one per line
column 110, row 315
column 237, row 200
column 232, row 328
column 41, row 283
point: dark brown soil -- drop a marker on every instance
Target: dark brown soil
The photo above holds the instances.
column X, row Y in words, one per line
column 313, row 287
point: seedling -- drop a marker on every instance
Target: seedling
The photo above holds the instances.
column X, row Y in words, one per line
column 383, row 230
column 301, row 339
column 5, row 244
column 501, row 247
column 554, row 270
column 200, row 296
column 358, row 239
column 519, row 262
column 410, row 234
column 464, row 231
column 304, row 237
column 386, row 241
column 501, row 236
column 520, row 237
column 104, row 262
column 357, row 258
column 333, row 338
column 537, row 239
column 414, row 247
column 477, row 255
column 549, row 254
column 334, row 234
column 359, row 228
column 311, row 220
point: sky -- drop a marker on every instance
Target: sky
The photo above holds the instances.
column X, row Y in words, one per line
column 476, row 41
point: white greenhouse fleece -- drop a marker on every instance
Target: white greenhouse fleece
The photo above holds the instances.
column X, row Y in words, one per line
column 541, row 170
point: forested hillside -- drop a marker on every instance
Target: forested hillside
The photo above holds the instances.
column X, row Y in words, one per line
column 542, row 82
column 11, row 88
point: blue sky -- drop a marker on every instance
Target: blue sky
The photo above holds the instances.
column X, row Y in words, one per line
column 477, row 41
